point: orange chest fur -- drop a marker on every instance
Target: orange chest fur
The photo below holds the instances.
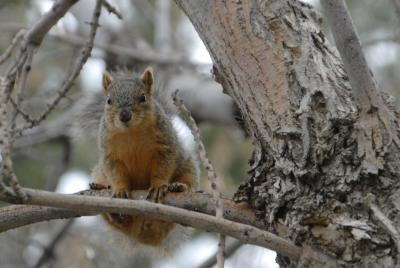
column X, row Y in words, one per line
column 131, row 153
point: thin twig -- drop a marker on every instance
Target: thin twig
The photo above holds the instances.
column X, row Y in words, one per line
column 8, row 180
column 21, row 85
column 26, row 116
column 112, row 9
column 24, row 72
column 211, row 174
column 245, row 233
column 17, row 63
column 13, row 44
column 221, row 251
column 47, row 131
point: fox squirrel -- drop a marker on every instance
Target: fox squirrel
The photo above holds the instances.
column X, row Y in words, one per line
column 140, row 149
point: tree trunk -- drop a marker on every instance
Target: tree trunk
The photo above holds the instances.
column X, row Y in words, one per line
column 321, row 174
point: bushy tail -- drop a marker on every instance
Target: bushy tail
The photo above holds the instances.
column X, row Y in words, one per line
column 87, row 115
column 164, row 96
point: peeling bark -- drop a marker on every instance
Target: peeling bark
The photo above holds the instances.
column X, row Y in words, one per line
column 316, row 158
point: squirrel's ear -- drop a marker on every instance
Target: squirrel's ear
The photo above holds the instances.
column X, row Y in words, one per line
column 147, row 78
column 107, row 79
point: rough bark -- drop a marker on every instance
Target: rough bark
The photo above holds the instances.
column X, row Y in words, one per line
column 317, row 167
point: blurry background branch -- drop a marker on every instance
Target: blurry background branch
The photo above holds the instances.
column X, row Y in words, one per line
column 48, row 252
column 112, row 9
column 146, row 55
column 231, row 248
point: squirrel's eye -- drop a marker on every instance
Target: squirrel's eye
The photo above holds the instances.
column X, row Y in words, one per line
column 142, row 98
column 108, row 101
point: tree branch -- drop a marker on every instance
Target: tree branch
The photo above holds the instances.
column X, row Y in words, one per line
column 112, row 9
column 39, row 30
column 16, row 216
column 199, row 202
column 349, row 46
column 376, row 120
column 89, row 205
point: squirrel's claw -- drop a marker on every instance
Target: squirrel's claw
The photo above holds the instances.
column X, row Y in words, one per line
column 98, row 186
column 121, row 194
column 177, row 187
column 157, row 194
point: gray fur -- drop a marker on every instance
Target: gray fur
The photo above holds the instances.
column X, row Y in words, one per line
column 91, row 107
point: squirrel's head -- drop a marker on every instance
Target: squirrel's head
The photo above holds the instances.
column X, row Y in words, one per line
column 128, row 100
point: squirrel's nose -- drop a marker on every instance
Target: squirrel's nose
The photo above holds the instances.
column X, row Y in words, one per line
column 125, row 116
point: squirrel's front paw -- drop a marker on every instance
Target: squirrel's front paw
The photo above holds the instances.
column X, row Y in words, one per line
column 121, row 194
column 157, row 194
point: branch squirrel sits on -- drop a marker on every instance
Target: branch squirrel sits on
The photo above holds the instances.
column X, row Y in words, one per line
column 139, row 149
